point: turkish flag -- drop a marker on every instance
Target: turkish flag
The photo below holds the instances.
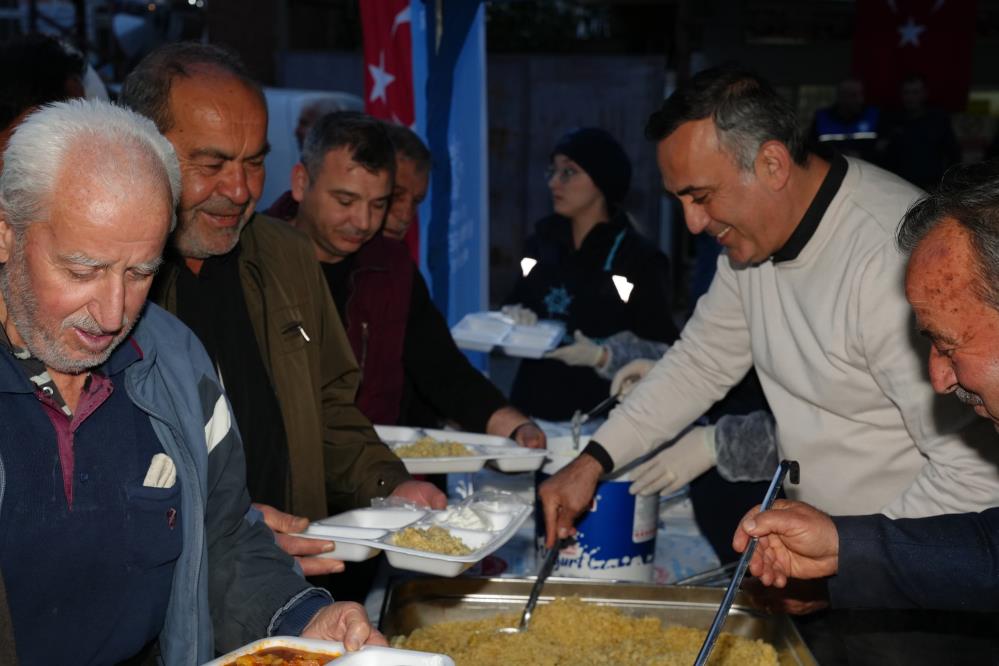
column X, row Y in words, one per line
column 894, row 39
column 388, row 72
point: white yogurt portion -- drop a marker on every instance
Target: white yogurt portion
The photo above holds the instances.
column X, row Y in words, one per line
column 465, row 517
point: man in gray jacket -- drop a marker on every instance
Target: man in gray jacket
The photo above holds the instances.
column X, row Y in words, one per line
column 123, row 503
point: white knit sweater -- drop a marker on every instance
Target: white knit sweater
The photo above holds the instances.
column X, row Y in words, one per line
column 834, row 343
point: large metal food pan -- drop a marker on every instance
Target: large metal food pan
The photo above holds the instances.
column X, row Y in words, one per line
column 425, row 601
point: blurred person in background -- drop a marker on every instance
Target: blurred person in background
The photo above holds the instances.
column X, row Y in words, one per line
column 577, row 252
column 412, row 178
column 849, row 126
column 919, row 141
column 35, row 70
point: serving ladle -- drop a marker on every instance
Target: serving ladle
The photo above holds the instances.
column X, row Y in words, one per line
column 532, row 600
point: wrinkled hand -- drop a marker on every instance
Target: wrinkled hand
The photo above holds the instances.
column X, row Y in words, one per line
column 676, row 466
column 568, row 494
column 421, row 493
column 346, row 622
column 800, row 597
column 284, row 525
column 583, row 352
column 629, row 375
column 508, row 421
column 795, row 541
column 520, row 315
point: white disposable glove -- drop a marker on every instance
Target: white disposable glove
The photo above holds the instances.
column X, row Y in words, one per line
column 676, row 466
column 629, row 375
column 583, row 352
column 520, row 315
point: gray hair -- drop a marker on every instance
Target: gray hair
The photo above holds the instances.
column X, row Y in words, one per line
column 147, row 88
column 969, row 195
column 41, row 144
column 409, row 144
column 746, row 110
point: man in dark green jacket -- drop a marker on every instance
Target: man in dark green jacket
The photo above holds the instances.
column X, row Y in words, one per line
column 251, row 289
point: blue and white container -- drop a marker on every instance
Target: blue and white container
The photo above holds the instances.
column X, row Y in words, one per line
column 616, row 538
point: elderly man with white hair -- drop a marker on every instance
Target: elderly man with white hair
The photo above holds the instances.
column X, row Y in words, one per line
column 123, row 502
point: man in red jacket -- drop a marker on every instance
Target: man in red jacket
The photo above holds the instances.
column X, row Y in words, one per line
column 344, row 187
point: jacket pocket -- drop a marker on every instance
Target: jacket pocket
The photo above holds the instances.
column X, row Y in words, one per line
column 292, row 332
column 155, row 534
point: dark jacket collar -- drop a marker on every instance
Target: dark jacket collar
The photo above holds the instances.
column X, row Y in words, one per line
column 559, row 229
column 816, row 210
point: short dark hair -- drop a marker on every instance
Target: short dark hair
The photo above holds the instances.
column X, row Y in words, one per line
column 33, row 71
column 147, row 88
column 969, row 195
column 409, row 144
column 746, row 110
column 366, row 137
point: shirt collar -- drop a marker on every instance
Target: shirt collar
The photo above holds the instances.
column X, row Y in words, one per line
column 816, row 210
column 124, row 355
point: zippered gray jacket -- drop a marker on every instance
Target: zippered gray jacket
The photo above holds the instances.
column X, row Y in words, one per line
column 231, row 573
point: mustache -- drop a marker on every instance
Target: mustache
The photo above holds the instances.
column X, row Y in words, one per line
column 967, row 397
column 223, row 206
column 87, row 324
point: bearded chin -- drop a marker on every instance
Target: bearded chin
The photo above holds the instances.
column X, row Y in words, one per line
column 22, row 307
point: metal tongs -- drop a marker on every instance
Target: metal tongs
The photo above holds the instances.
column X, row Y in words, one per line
column 546, row 568
column 786, row 468
column 579, row 418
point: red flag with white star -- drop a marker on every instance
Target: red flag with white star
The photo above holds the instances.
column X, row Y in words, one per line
column 894, row 39
column 388, row 72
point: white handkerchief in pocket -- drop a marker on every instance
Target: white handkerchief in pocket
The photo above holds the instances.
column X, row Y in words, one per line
column 161, row 473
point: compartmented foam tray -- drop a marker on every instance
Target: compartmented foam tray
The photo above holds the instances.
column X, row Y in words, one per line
column 360, row 534
column 367, row 656
column 500, row 452
column 484, row 331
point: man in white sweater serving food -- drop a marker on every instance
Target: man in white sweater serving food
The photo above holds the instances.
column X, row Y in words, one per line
column 810, row 291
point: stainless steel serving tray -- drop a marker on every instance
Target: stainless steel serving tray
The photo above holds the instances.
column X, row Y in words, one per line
column 425, row 601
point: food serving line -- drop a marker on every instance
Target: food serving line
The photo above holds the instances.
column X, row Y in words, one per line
column 500, row 583
column 489, row 531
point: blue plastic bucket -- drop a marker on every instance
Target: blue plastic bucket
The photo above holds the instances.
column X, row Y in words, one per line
column 616, row 538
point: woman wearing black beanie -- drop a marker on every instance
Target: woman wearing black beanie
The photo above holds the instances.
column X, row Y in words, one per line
column 578, row 251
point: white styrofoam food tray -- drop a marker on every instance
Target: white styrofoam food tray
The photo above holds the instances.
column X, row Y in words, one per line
column 371, row 655
column 499, row 522
column 501, row 452
column 483, row 331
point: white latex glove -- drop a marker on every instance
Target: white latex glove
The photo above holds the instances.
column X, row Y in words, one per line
column 676, row 466
column 520, row 315
column 629, row 375
column 583, row 352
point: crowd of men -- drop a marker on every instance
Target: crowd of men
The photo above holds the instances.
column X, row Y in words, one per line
column 170, row 354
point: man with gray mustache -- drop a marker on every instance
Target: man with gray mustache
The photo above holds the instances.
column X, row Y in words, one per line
column 124, row 525
column 251, row 289
column 949, row 561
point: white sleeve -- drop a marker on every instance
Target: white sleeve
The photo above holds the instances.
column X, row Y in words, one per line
column 961, row 473
column 712, row 355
